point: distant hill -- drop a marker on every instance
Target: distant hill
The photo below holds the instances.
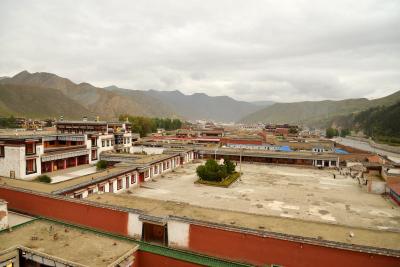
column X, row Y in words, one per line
column 202, row 106
column 29, row 101
column 104, row 103
column 112, row 101
column 263, row 103
column 316, row 113
column 382, row 123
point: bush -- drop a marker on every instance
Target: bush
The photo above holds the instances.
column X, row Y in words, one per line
column 44, row 178
column 230, row 167
column 211, row 171
column 101, row 165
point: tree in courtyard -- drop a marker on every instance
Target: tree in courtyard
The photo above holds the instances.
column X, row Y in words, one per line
column 212, row 171
column 230, row 167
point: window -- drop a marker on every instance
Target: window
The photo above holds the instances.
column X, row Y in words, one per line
column 103, row 143
column 90, row 191
column 30, row 149
column 30, row 166
column 133, row 178
column 101, row 188
column 119, row 184
column 108, row 143
column 1, row 151
column 319, row 162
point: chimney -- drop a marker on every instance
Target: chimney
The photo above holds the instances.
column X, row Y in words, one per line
column 84, row 118
column 97, row 118
column 61, row 118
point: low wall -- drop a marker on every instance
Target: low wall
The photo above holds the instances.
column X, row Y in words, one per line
column 242, row 245
column 261, row 250
column 73, row 211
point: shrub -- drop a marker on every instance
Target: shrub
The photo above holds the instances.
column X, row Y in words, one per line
column 101, row 165
column 44, row 178
column 211, row 171
column 230, row 167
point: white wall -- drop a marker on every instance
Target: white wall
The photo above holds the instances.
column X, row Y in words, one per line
column 11, row 161
column 148, row 150
column 99, row 144
column 15, row 160
column 377, row 187
column 178, row 234
column 134, row 226
column 3, row 215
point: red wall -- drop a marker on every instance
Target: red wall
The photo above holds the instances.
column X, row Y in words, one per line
column 221, row 243
column 241, row 141
column 261, row 250
column 97, row 217
column 146, row 259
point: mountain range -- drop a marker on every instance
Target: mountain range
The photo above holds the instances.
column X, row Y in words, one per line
column 46, row 95
column 316, row 113
column 110, row 102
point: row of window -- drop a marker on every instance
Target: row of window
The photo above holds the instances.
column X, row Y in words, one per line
column 107, row 143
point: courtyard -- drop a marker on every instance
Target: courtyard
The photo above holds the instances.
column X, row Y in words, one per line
column 282, row 191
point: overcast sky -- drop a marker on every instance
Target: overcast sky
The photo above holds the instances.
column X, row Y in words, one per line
column 251, row 50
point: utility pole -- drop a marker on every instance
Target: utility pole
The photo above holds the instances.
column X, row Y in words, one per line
column 240, row 161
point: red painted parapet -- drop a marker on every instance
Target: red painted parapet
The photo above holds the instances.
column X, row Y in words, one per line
column 73, row 211
column 211, row 239
column 146, row 259
column 261, row 250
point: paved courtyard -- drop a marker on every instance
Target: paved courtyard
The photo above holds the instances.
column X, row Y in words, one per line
column 301, row 193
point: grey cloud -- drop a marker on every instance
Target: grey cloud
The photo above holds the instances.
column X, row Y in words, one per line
column 251, row 50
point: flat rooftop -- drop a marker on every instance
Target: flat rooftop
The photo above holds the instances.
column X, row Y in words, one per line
column 269, row 153
column 48, row 188
column 136, row 158
column 300, row 201
column 68, row 243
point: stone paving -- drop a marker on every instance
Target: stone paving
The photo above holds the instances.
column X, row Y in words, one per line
column 284, row 191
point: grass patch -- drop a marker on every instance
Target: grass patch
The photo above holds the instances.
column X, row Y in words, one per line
column 224, row 183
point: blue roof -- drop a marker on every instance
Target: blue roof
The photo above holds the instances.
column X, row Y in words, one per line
column 285, row 149
column 341, row 151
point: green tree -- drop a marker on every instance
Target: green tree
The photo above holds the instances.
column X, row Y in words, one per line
column 331, row 132
column 146, row 125
column 9, row 122
column 212, row 171
column 230, row 167
column 344, row 132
